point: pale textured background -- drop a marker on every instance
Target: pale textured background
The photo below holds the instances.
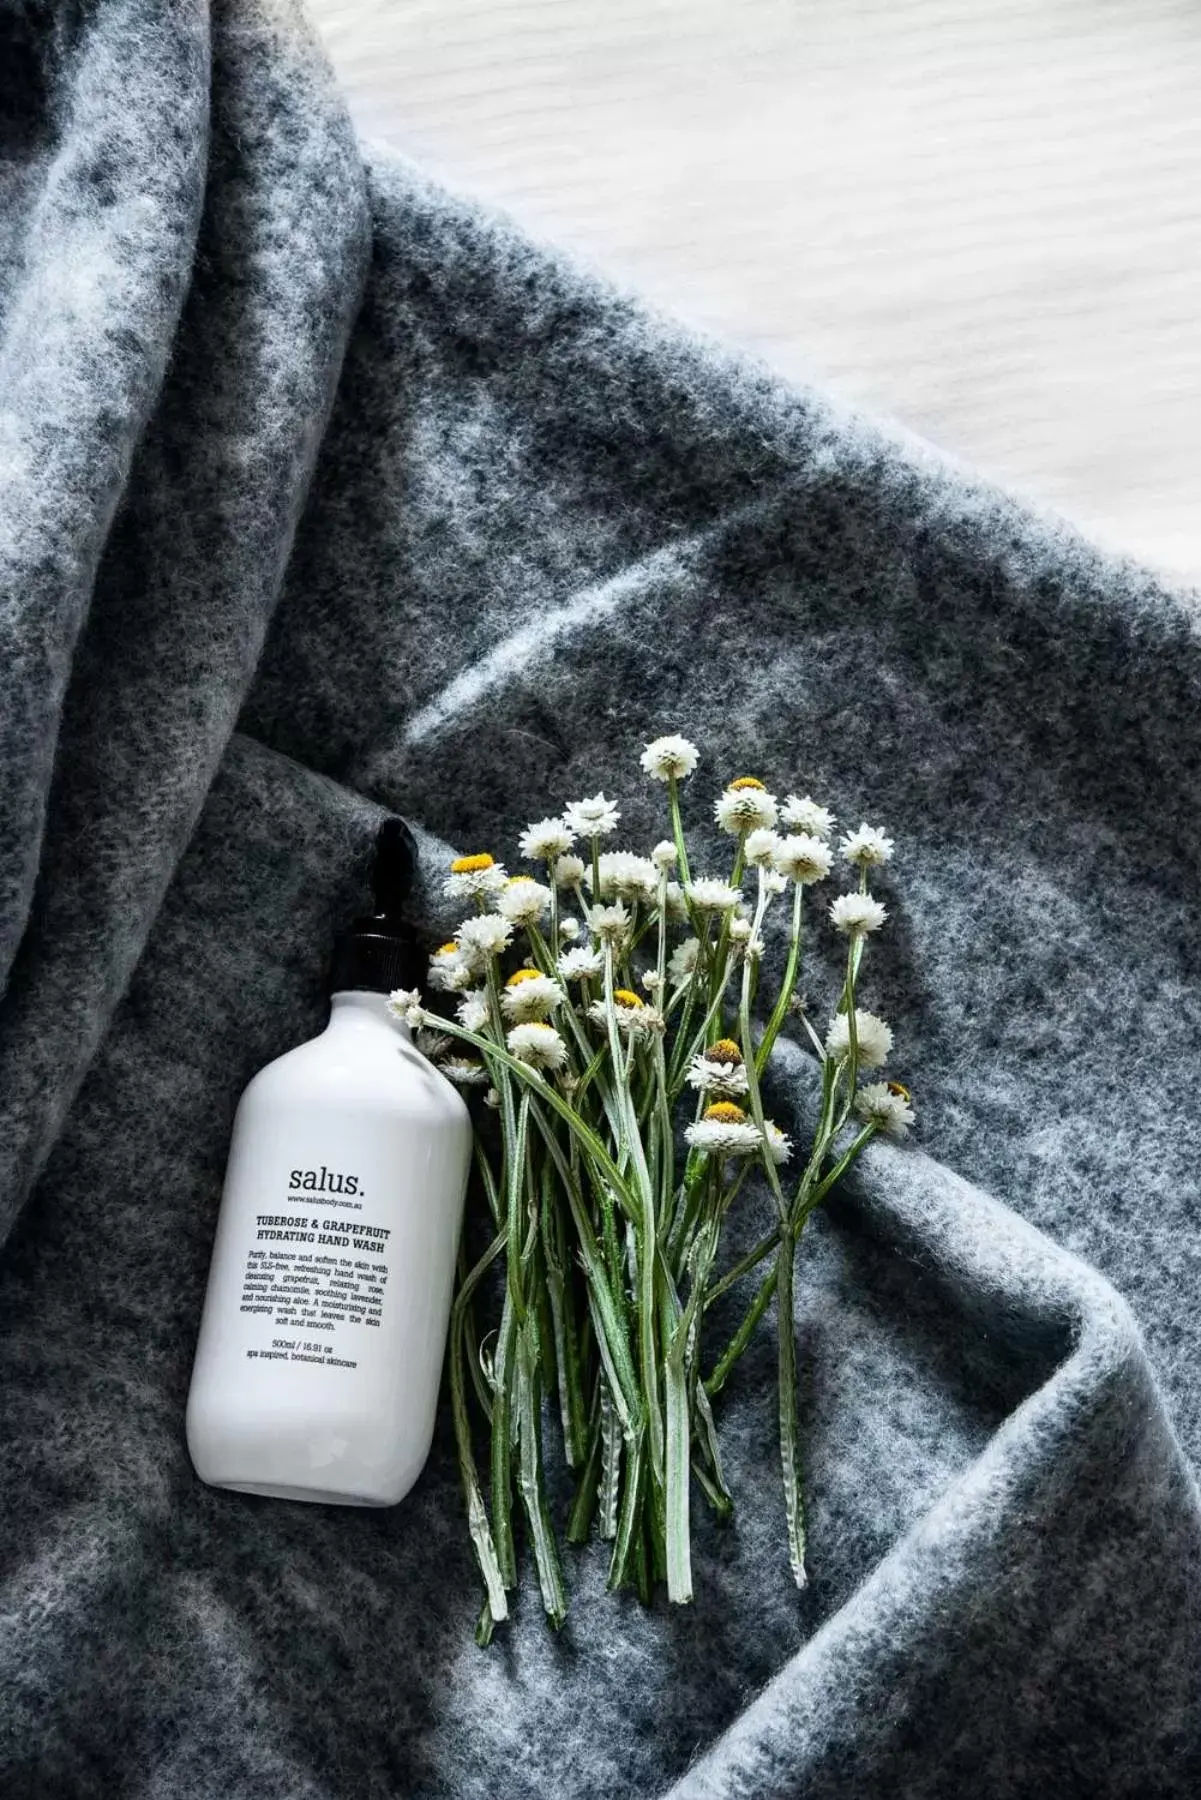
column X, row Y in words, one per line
column 977, row 216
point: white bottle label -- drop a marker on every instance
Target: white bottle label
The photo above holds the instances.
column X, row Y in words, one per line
column 335, row 1249
column 317, row 1277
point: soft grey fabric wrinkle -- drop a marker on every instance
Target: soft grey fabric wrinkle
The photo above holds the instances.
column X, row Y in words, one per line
column 323, row 493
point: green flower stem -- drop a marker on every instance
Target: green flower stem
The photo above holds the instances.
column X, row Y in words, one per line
column 645, row 1229
column 500, row 1073
column 612, row 1249
column 743, row 1266
column 485, row 1625
column 786, row 1383
column 742, row 1337
column 583, row 1507
column 683, row 1217
column 530, row 1078
column 814, row 1199
column 533, row 1494
column 691, row 988
column 852, row 1056
column 563, row 1325
column 717, row 1495
column 723, row 936
column 800, row 1212
column 677, row 832
column 686, row 1048
column 708, row 1467
column 630, row 1519
column 611, row 1337
column 515, row 1159
column 806, row 1202
column 752, row 1076
column 488, row 1179
column 502, row 1444
column 643, row 1557
column 667, row 1144
column 471, row 1352
column 554, row 909
column 477, row 1513
column 788, row 987
column 609, row 1495
column 545, row 960
column 678, row 1457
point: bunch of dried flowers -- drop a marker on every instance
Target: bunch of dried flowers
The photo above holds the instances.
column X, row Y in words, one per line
column 607, row 1010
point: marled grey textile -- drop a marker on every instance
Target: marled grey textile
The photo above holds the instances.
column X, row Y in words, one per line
column 319, row 493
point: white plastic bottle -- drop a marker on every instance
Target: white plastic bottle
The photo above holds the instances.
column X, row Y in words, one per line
column 325, row 1320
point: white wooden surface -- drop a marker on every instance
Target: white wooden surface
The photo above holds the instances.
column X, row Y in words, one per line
column 980, row 217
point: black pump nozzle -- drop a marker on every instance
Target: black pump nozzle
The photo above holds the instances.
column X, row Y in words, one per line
column 394, row 867
column 379, row 953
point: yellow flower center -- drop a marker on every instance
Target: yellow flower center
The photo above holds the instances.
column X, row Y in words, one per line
column 899, row 1091
column 626, row 997
column 724, row 1112
column 747, row 781
column 521, row 880
column 725, row 1050
column 451, row 949
column 471, row 865
column 520, row 975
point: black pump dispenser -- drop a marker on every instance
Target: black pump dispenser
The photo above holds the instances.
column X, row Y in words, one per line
column 380, row 952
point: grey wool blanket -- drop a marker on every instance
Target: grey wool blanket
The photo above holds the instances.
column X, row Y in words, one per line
column 323, row 494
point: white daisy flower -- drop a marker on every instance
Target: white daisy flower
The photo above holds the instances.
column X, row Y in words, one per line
column 538, row 1045
column 807, row 816
column 652, row 981
column 592, row 818
column 405, row 1004
column 710, row 895
column 545, row 840
column 745, row 806
column 669, row 758
column 472, row 1010
column 674, row 904
column 583, row 962
column 682, row 960
column 529, row 995
column 665, row 855
column 522, row 900
column 464, row 1071
column 873, row 1037
column 609, row 923
column 432, row 1044
column 857, row 914
column 803, row 858
column 484, row 936
column 773, row 882
column 740, row 931
column 473, row 878
column 448, row 970
column 885, row 1104
column 630, row 1013
column 760, row 848
column 568, row 871
column 779, row 1145
column 625, row 876
column 866, row 847
column 724, row 1130
column 569, row 930
column 719, row 1070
